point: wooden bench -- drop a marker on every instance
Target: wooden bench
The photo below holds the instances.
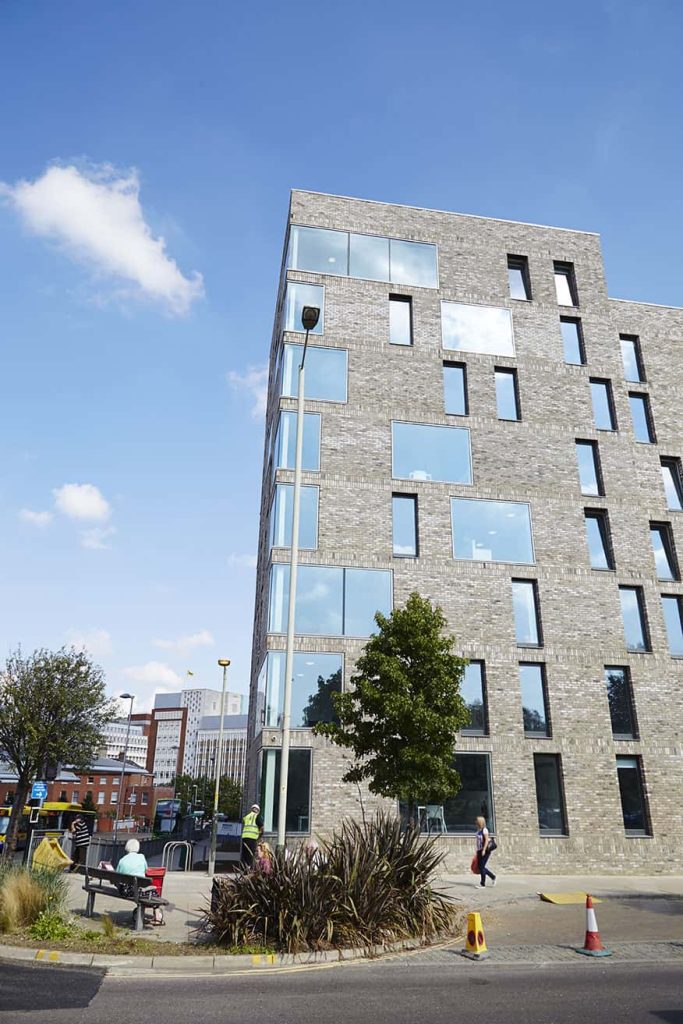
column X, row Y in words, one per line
column 132, row 888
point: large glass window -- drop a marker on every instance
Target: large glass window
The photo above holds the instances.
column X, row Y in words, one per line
column 413, row 263
column 285, row 442
column 565, row 284
column 673, row 485
column 491, row 531
column 326, row 372
column 633, row 618
column 525, row 608
column 534, row 699
column 457, row 815
column 620, row 698
column 473, row 692
column 486, row 329
column 633, row 805
column 603, row 406
column 369, row 257
column 664, row 551
column 455, row 389
column 404, row 521
column 552, row 818
column 281, row 517
column 642, row 418
column 672, row 606
column 314, row 679
column 507, row 395
column 421, row 451
column 572, row 340
column 588, row 459
column 298, row 296
column 400, row 320
column 598, row 537
column 319, row 250
column 330, row 601
column 298, row 816
column 631, row 357
column 518, row 277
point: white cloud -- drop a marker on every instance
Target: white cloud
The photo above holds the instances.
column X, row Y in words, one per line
column 82, row 501
column 154, row 673
column 97, row 642
column 255, row 383
column 185, row 644
column 245, row 561
column 97, row 538
column 95, row 215
column 40, row 519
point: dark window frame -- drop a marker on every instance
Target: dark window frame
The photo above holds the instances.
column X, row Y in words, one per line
column 635, row 339
column 647, row 821
column 652, row 439
column 565, row 269
column 601, row 515
column 466, row 730
column 669, row 545
column 407, row 300
column 530, row 734
column 510, row 371
column 521, row 263
column 642, row 612
column 673, row 463
column 537, row 611
column 455, row 364
column 678, row 599
column 579, row 333
column 610, row 402
column 597, row 464
column 564, row 831
column 414, row 498
column 635, row 734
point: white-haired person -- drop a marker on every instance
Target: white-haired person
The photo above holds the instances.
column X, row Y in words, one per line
column 135, row 863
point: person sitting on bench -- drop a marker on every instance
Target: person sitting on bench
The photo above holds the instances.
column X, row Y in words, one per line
column 135, row 863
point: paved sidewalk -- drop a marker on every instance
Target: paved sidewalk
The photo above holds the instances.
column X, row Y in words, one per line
column 515, row 886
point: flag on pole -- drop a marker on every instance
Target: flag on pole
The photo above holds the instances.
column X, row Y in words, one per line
column 190, row 673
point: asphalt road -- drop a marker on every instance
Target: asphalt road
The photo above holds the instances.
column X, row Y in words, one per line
column 398, row 992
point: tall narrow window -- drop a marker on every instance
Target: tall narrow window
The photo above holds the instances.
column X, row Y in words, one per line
column 588, row 458
column 507, row 395
column 400, row 320
column 518, row 277
column 598, row 537
column 620, row 698
column 300, row 295
column 673, row 486
column 572, row 340
column 404, row 518
column 565, row 284
column 664, row 551
column 642, row 417
column 632, row 358
column 632, row 795
column 525, row 608
column 455, row 389
column 473, row 692
column 633, row 618
column 552, row 818
column 603, row 404
column 534, row 699
column 672, row 607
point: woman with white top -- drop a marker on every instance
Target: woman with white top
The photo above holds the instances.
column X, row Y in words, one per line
column 483, row 853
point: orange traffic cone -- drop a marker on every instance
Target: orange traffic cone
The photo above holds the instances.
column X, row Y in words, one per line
column 592, row 945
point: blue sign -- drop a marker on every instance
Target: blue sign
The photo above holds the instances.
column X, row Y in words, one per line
column 38, row 791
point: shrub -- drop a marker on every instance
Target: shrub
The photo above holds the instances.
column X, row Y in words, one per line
column 51, row 927
column 25, row 894
column 371, row 884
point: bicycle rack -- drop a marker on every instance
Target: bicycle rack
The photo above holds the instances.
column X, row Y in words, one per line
column 169, row 852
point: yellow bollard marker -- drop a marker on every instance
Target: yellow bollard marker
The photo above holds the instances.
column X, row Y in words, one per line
column 475, row 948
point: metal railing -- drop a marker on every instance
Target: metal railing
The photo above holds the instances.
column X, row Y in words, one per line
column 169, row 852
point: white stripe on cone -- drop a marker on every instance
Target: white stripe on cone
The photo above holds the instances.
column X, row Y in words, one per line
column 591, row 922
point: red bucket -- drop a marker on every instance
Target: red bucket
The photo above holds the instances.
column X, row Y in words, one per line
column 156, row 877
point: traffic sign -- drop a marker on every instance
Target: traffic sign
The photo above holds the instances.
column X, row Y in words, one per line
column 38, row 791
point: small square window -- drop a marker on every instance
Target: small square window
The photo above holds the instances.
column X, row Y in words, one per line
column 507, row 395
column 404, row 518
column 565, row 284
column 641, row 415
column 534, row 699
column 400, row 320
column 664, row 550
column 603, row 404
column 598, row 537
column 518, row 277
column 572, row 340
column 620, row 698
column 673, row 483
column 590, row 474
column 455, row 389
column 632, row 358
column 634, row 619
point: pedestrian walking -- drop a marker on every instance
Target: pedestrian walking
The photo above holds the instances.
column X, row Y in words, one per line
column 80, row 839
column 252, row 830
column 483, row 853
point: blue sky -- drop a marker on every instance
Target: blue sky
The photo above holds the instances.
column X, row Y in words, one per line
column 130, row 439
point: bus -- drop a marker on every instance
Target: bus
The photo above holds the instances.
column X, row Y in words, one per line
column 54, row 816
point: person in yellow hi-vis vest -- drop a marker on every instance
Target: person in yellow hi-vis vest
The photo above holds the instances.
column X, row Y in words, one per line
column 252, row 830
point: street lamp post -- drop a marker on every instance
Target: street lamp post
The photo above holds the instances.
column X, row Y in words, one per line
column 223, row 662
column 309, row 318
column 121, row 804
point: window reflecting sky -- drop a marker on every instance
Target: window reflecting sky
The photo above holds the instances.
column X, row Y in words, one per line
column 298, row 296
column 330, row 601
column 506, row 395
column 524, row 608
column 496, row 531
column 671, row 606
column 660, row 547
column 287, row 441
column 454, row 388
column 369, row 257
column 563, row 288
column 281, row 521
column 672, row 486
column 602, row 410
column 629, row 355
column 326, row 372
column 404, row 521
column 641, row 423
column 596, row 544
column 588, row 472
column 516, row 282
column 315, row 678
column 421, row 451
column 325, row 252
column 486, row 329
column 571, row 340
column 400, row 326
column 413, row 263
column 372, row 257
column 634, row 629
column 533, row 699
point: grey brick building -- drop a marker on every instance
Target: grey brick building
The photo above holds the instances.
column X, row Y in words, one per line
column 486, row 426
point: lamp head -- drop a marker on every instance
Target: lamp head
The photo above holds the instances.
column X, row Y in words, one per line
column 309, row 317
column 223, row 662
column 127, row 696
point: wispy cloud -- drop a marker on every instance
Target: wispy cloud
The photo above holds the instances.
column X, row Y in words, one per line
column 255, row 383
column 82, row 501
column 96, row 217
column 244, row 561
column 97, row 642
column 39, row 519
column 97, row 538
column 185, row 644
column 154, row 673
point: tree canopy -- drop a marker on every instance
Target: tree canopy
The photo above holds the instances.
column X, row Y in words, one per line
column 402, row 716
column 53, row 708
column 229, row 794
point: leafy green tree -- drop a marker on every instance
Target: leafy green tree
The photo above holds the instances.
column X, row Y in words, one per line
column 88, row 803
column 320, row 707
column 229, row 794
column 402, row 716
column 53, row 708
